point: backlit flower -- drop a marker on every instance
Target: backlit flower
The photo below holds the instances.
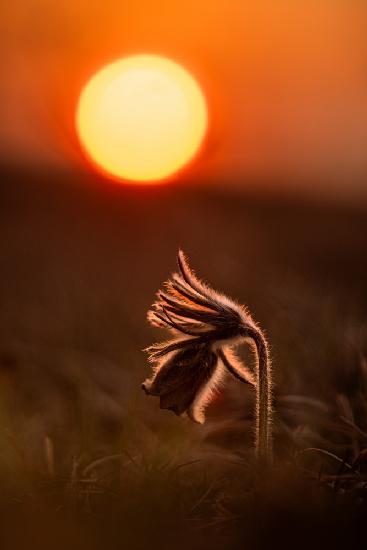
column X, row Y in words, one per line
column 206, row 326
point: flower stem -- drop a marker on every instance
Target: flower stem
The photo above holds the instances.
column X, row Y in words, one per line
column 263, row 398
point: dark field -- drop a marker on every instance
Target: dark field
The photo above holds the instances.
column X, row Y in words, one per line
column 88, row 461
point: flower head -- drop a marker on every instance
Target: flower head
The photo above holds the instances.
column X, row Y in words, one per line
column 206, row 326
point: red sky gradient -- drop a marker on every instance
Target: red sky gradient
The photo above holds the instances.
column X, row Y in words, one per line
column 285, row 81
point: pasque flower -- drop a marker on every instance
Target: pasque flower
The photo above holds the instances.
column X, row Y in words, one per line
column 206, row 327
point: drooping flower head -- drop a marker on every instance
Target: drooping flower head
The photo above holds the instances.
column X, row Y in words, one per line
column 206, row 326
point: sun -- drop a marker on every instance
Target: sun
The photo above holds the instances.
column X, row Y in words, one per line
column 141, row 118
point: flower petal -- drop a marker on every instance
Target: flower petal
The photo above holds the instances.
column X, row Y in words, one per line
column 196, row 412
column 235, row 366
column 187, row 367
column 156, row 351
column 181, row 378
column 233, row 312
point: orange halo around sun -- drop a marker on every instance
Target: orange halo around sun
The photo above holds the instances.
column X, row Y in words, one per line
column 141, row 118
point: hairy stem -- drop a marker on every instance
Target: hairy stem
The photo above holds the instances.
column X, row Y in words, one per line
column 263, row 397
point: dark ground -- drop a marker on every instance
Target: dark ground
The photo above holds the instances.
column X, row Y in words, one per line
column 86, row 459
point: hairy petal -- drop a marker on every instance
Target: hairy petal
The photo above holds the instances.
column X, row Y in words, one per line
column 235, row 366
column 196, row 412
column 178, row 289
column 190, row 307
column 189, row 276
column 160, row 349
column 180, row 378
column 218, row 300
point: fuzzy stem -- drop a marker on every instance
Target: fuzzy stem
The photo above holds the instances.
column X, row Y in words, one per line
column 263, row 398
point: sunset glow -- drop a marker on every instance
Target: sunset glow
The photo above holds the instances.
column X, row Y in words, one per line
column 141, row 118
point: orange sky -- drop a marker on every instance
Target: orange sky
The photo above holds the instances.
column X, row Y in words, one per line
column 286, row 81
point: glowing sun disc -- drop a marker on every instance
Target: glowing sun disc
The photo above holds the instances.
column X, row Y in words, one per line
column 141, row 118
